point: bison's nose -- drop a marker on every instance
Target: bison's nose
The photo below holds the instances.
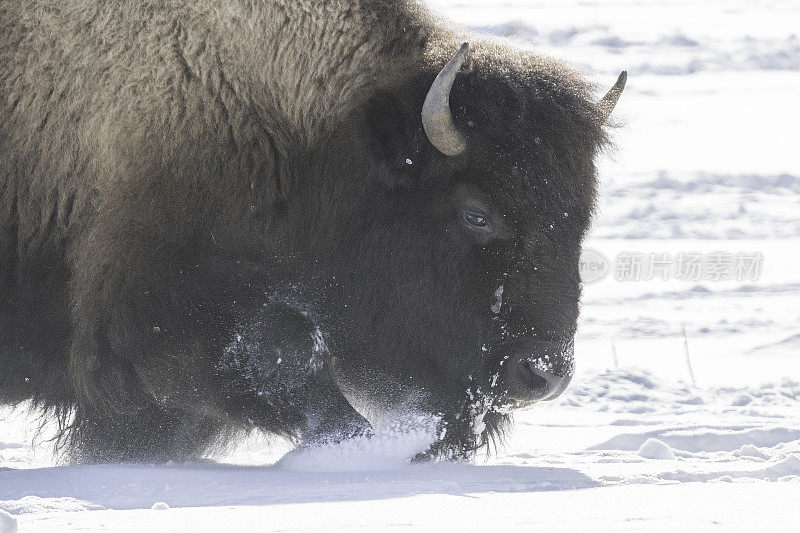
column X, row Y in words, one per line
column 542, row 384
column 539, row 370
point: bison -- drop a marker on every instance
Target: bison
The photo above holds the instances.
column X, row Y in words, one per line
column 290, row 215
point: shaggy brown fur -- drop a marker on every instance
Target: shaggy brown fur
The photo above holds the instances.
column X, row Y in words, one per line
column 197, row 196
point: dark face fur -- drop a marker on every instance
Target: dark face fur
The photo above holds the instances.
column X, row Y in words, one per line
column 451, row 283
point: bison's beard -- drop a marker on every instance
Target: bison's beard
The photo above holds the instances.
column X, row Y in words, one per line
column 478, row 421
column 462, row 440
column 464, row 419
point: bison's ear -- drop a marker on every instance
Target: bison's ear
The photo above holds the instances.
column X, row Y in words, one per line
column 397, row 139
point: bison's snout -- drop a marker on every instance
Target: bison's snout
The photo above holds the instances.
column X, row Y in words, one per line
column 539, row 370
column 541, row 384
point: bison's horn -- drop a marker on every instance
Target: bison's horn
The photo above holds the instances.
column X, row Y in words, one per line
column 437, row 119
column 609, row 101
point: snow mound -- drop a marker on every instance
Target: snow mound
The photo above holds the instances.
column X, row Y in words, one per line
column 700, row 439
column 788, row 466
column 8, row 524
column 791, row 343
column 383, row 451
column 655, row 449
column 45, row 504
column 160, row 506
column 748, row 450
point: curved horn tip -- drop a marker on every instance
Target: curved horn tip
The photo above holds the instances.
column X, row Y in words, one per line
column 609, row 101
column 437, row 118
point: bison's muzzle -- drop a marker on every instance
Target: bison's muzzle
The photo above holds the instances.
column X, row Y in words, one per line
column 538, row 370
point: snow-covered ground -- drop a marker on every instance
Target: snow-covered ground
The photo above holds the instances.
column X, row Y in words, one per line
column 708, row 167
column 622, row 450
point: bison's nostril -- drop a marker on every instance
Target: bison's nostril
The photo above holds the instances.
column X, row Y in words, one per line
column 540, row 384
column 534, row 378
column 542, row 369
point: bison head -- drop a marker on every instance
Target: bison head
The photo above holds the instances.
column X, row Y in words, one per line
column 444, row 230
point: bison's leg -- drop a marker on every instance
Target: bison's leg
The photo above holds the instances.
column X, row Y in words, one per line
column 275, row 375
column 149, row 434
column 330, row 418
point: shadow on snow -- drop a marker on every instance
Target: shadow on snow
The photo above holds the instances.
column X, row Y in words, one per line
column 194, row 485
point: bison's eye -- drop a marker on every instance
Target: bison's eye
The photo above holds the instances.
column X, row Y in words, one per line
column 476, row 220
